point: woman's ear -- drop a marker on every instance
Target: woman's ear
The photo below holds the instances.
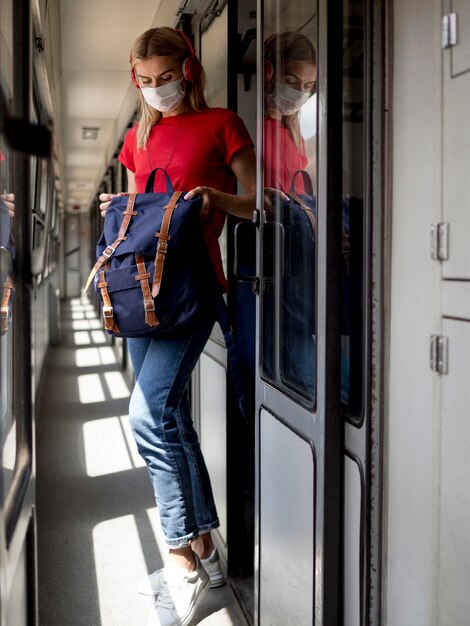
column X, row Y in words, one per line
column 268, row 70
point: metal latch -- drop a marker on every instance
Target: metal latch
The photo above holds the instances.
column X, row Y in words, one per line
column 439, row 354
column 440, row 241
column 449, row 30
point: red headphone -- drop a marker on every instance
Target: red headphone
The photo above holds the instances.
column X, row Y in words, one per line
column 191, row 66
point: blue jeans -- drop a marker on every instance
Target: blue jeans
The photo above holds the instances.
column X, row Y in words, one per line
column 161, row 422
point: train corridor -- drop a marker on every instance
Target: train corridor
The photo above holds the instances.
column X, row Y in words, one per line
column 98, row 528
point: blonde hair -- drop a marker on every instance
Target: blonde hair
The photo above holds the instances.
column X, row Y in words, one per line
column 164, row 41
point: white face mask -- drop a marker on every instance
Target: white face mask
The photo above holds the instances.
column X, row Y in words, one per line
column 285, row 99
column 166, row 97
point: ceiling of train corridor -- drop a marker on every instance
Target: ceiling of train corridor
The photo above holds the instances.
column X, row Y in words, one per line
column 97, row 92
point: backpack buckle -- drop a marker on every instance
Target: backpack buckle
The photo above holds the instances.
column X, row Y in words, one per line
column 109, row 254
column 149, row 305
column 4, row 318
column 107, row 312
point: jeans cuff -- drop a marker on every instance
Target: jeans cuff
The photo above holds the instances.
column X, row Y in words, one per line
column 184, row 542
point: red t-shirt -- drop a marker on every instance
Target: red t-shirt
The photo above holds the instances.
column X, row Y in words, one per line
column 196, row 149
column 2, row 156
column 282, row 157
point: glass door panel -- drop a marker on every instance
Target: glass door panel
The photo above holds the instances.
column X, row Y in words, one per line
column 289, row 170
column 298, row 495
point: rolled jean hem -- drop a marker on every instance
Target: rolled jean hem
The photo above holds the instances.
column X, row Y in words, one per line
column 184, row 542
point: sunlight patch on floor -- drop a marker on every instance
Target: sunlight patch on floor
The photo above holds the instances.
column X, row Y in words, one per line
column 117, row 385
column 83, row 324
column 119, row 564
column 109, row 446
column 154, row 520
column 98, row 336
column 137, row 460
column 81, row 338
column 90, row 389
column 88, row 357
column 106, row 450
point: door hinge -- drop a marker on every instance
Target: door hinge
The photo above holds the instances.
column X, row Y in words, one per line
column 438, row 354
column 449, row 30
column 440, row 241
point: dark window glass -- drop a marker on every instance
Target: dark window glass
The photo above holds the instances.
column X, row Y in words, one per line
column 289, row 170
column 352, row 326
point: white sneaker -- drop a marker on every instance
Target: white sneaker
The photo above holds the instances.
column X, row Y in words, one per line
column 180, row 594
column 151, row 585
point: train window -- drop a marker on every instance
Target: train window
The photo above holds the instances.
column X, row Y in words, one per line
column 354, row 199
column 40, row 204
column 289, row 171
column 38, row 230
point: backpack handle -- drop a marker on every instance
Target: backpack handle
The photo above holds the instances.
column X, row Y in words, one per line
column 308, row 186
column 151, row 181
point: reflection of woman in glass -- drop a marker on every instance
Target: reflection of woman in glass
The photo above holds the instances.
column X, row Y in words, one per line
column 289, row 81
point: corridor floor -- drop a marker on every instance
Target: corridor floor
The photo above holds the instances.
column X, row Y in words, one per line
column 98, row 528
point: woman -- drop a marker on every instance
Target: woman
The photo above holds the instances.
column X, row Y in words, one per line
column 290, row 80
column 205, row 151
column 289, row 301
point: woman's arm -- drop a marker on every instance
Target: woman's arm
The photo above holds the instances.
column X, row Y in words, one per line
column 243, row 166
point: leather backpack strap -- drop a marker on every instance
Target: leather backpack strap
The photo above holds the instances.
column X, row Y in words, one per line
column 163, row 237
column 110, row 250
column 108, row 313
column 307, row 210
column 149, row 305
column 7, row 289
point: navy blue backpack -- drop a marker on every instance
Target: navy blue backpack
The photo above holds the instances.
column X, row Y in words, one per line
column 153, row 270
column 154, row 273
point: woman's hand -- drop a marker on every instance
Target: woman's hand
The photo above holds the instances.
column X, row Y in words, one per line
column 105, row 199
column 271, row 197
column 209, row 202
column 9, row 201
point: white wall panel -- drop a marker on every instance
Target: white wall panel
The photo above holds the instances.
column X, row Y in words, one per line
column 214, row 432
column 287, row 525
column 352, row 542
column 454, row 510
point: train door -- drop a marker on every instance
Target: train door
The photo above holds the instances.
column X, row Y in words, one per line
column 314, row 519
column 299, row 426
